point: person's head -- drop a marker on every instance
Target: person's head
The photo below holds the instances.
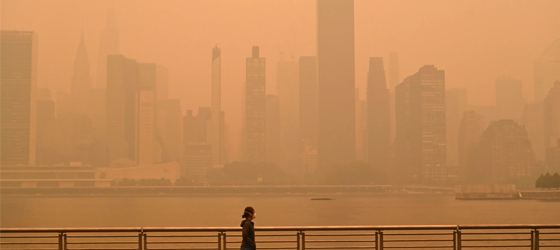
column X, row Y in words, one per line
column 249, row 213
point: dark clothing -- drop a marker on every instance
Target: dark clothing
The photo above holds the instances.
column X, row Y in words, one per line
column 248, row 234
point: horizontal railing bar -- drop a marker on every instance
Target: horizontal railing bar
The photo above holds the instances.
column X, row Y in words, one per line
column 330, row 241
column 264, row 229
column 341, row 247
column 417, row 247
column 102, row 236
column 492, row 233
column 425, row 234
column 493, row 246
column 416, row 240
column 495, row 240
column 549, row 246
column 28, row 237
column 541, row 239
column 181, row 242
column 181, row 236
column 107, row 242
column 337, row 235
column 182, row 248
column 28, row 243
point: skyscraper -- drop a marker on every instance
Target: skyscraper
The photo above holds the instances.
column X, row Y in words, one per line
column 288, row 100
column 197, row 150
column 421, row 131
column 378, row 132
column 547, row 70
column 336, row 83
column 308, row 115
column 503, row 151
column 456, row 104
column 255, row 108
column 108, row 45
column 394, row 80
column 469, row 134
column 216, row 133
column 130, row 109
column 273, row 135
column 81, row 80
column 509, row 98
column 18, row 59
column 552, row 117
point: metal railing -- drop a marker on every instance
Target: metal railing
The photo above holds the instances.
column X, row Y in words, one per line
column 453, row 237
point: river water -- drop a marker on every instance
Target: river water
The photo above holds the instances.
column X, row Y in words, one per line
column 23, row 212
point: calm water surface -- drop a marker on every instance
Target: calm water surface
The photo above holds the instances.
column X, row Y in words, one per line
column 272, row 211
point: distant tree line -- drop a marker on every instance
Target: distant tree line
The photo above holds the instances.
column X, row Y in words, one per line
column 142, row 182
column 548, row 181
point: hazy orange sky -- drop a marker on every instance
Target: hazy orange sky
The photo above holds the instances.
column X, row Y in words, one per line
column 474, row 41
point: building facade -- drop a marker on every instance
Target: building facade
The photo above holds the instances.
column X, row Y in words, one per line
column 336, row 83
column 421, row 127
column 378, row 116
column 18, row 56
column 255, row 108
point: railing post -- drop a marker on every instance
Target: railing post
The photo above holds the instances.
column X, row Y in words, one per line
column 60, row 242
column 535, row 244
column 458, row 239
column 225, row 241
column 65, row 240
column 377, row 240
column 298, row 235
column 380, row 240
column 141, row 240
column 220, row 241
column 302, row 240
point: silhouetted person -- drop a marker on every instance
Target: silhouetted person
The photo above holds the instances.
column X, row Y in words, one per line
column 248, row 232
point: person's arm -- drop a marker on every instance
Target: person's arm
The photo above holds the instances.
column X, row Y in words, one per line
column 247, row 229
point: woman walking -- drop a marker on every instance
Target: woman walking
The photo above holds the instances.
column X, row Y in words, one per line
column 248, row 232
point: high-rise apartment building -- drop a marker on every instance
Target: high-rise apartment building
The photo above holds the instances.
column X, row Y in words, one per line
column 547, row 70
column 255, row 108
column 197, row 152
column 552, row 117
column 288, row 100
column 469, row 134
column 108, row 45
column 503, row 151
column 533, row 120
column 273, row 130
column 216, row 136
column 378, row 117
column 81, row 80
column 308, row 106
column 456, row 104
column 336, row 83
column 509, row 98
column 421, row 131
column 130, row 109
column 18, row 62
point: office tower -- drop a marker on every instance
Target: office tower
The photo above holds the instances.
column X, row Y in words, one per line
column 130, row 109
column 336, row 83
column 509, row 98
column 288, row 101
column 456, row 105
column 18, row 59
column 394, row 80
column 81, row 80
column 394, row 71
column 547, row 70
column 273, row 129
column 170, row 128
column 308, row 106
column 421, row 131
column 108, row 45
column 503, row 151
column 255, row 108
column 361, row 127
column 216, row 141
column 469, row 134
column 162, row 89
column 45, row 127
column 553, row 158
column 197, row 153
column 551, row 113
column 378, row 115
column 533, row 120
